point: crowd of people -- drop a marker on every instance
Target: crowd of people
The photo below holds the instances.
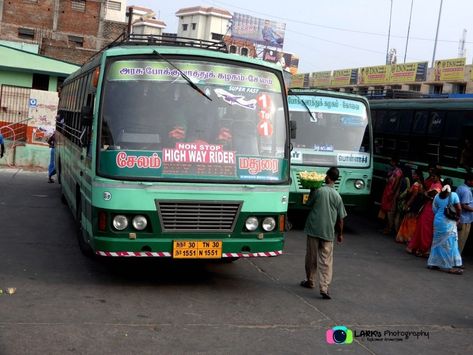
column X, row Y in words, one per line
column 429, row 216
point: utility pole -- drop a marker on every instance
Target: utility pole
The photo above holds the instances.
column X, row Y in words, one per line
column 389, row 32
column 437, row 33
column 408, row 30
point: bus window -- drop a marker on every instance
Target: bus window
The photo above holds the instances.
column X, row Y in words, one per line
column 405, row 121
column 419, row 125
column 436, row 123
column 391, row 122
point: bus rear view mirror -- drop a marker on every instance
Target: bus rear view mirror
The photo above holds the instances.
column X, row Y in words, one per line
column 293, row 129
column 86, row 115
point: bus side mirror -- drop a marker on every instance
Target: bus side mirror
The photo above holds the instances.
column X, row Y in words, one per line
column 292, row 129
column 86, row 115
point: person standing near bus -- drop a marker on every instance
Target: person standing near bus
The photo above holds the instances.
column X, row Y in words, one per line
column 2, row 146
column 390, row 195
column 421, row 242
column 466, row 218
column 324, row 220
column 52, row 165
column 444, row 253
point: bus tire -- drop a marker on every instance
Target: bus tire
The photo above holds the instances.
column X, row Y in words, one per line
column 84, row 246
column 59, row 168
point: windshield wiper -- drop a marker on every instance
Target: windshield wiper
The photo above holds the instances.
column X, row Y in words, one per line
column 183, row 75
column 305, row 105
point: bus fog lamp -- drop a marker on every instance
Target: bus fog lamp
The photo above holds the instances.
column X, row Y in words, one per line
column 359, row 184
column 269, row 224
column 139, row 222
column 251, row 223
column 120, row 222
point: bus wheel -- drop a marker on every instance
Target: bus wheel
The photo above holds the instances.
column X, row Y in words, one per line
column 63, row 196
column 84, row 246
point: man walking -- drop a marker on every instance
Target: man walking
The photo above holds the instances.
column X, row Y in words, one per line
column 324, row 221
column 466, row 200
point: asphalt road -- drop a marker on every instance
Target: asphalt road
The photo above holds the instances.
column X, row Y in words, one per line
column 65, row 303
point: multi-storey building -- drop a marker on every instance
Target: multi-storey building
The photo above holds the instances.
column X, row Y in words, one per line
column 69, row 30
column 205, row 23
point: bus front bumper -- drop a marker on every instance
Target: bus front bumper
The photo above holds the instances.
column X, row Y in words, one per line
column 163, row 247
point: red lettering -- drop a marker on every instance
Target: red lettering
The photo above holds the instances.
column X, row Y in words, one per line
column 143, row 162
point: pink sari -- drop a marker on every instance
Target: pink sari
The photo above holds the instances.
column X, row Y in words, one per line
column 422, row 240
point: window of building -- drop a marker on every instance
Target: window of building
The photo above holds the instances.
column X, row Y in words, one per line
column 232, row 49
column 244, row 51
column 26, row 33
column 184, row 26
column 194, row 26
column 78, row 5
column 114, row 5
column 458, row 88
column 217, row 36
column 76, row 41
column 414, row 87
column 40, row 82
column 435, row 89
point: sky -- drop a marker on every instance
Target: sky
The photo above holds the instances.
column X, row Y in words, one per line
column 343, row 34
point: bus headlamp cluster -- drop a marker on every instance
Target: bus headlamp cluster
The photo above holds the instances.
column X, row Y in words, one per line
column 268, row 224
column 359, row 184
column 121, row 222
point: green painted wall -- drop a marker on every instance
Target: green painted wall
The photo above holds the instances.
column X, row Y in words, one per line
column 30, row 155
column 17, row 78
column 52, row 83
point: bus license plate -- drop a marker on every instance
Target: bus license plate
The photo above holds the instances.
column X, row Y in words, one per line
column 305, row 198
column 197, row 249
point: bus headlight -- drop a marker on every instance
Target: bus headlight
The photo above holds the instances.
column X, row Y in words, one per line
column 268, row 224
column 120, row 222
column 139, row 222
column 251, row 223
column 359, row 184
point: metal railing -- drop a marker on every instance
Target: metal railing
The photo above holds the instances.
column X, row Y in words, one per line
column 14, row 135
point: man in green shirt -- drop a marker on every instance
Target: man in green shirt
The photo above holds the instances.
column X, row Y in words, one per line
column 325, row 220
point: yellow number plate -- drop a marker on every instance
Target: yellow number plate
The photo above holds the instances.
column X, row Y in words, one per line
column 305, row 198
column 197, row 249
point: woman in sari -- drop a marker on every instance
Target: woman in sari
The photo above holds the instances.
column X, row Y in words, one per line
column 444, row 254
column 422, row 239
column 389, row 199
column 414, row 202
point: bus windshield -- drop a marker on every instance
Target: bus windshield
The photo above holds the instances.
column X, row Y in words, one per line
column 154, row 125
column 331, row 131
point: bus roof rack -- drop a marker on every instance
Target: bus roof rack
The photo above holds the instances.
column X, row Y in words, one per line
column 166, row 40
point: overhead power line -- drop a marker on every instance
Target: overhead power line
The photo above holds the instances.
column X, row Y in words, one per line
column 285, row 19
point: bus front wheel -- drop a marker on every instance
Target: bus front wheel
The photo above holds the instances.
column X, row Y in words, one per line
column 84, row 246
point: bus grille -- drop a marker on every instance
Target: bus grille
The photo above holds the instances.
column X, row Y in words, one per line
column 204, row 216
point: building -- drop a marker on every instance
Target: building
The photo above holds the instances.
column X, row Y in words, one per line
column 69, row 30
column 28, row 102
column 445, row 77
column 204, row 23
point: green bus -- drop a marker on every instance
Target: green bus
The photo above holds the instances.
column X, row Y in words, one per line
column 420, row 132
column 333, row 129
column 175, row 148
